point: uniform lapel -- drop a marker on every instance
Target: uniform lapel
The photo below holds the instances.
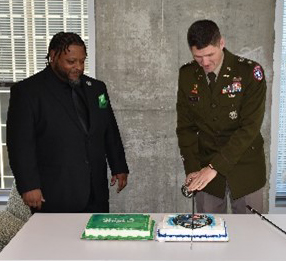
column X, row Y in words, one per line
column 53, row 85
column 225, row 75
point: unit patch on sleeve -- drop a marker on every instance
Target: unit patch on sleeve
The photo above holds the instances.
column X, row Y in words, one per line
column 257, row 73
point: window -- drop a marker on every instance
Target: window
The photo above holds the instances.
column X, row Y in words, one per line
column 26, row 28
column 278, row 116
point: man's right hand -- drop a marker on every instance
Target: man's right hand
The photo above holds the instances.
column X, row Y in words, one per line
column 33, row 198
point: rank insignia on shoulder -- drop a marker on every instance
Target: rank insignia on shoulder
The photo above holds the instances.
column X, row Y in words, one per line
column 194, row 98
column 257, row 73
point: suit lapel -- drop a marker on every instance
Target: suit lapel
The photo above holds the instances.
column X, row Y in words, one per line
column 60, row 94
column 92, row 103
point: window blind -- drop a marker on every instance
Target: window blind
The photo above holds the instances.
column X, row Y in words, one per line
column 281, row 157
column 26, row 28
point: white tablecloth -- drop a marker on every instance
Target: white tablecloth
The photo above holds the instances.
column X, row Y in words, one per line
column 57, row 236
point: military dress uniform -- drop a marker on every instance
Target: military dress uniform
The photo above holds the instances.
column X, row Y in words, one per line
column 221, row 126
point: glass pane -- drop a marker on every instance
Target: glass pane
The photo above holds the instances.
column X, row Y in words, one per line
column 7, row 169
column 74, row 25
column 30, row 28
column 39, row 7
column 4, row 102
column 8, row 182
column 3, row 134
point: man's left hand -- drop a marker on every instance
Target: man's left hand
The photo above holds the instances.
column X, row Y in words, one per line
column 122, row 181
column 201, row 178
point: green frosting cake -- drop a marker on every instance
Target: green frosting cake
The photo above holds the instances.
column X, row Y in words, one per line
column 119, row 227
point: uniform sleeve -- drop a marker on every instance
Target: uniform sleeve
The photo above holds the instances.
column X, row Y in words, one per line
column 114, row 147
column 21, row 140
column 251, row 117
column 187, row 131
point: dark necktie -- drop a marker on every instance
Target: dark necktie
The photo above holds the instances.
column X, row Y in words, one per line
column 211, row 77
column 80, row 106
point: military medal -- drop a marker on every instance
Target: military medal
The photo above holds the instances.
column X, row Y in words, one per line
column 235, row 87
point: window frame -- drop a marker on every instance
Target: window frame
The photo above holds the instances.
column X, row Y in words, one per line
column 277, row 201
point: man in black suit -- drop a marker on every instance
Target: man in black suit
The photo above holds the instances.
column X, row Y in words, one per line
column 61, row 131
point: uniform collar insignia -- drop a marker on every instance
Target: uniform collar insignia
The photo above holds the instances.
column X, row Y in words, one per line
column 88, row 83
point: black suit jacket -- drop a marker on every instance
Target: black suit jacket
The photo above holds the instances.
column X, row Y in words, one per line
column 49, row 149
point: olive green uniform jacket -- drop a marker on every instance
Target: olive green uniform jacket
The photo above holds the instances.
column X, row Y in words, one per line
column 222, row 126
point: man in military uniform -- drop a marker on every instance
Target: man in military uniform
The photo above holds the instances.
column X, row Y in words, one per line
column 220, row 109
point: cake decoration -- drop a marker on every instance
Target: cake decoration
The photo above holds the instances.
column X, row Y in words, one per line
column 119, row 227
column 203, row 227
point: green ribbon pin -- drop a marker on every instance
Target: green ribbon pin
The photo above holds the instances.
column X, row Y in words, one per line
column 102, row 101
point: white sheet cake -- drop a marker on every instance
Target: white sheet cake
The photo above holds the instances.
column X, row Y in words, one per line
column 206, row 227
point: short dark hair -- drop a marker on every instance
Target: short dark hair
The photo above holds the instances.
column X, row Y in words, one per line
column 61, row 42
column 203, row 33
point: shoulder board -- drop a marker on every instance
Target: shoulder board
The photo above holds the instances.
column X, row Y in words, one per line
column 257, row 70
column 192, row 63
column 246, row 61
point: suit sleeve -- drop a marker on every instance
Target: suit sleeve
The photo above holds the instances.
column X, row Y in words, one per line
column 187, row 131
column 251, row 117
column 114, row 147
column 21, row 140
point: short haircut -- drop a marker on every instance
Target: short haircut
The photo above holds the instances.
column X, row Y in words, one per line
column 61, row 42
column 203, row 33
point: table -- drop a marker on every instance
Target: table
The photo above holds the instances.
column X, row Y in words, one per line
column 57, row 236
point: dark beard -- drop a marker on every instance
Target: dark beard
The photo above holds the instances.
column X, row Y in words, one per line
column 74, row 83
column 64, row 76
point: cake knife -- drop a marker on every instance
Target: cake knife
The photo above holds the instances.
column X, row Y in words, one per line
column 193, row 214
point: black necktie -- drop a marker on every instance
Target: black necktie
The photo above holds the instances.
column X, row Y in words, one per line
column 211, row 77
column 80, row 106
